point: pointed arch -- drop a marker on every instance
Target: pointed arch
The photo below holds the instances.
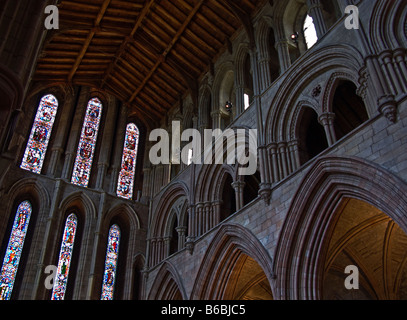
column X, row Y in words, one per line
column 299, row 256
column 223, row 86
column 168, row 284
column 163, row 207
column 81, row 201
column 125, row 211
column 384, row 22
column 205, row 106
column 14, row 249
column 333, row 82
column 227, row 245
column 318, row 62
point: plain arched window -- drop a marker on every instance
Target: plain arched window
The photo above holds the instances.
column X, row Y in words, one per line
column 310, row 33
column 65, row 258
column 128, row 167
column 14, row 249
column 112, row 257
column 87, row 143
column 36, row 149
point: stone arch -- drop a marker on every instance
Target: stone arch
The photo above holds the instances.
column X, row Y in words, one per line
column 269, row 59
column 83, row 207
column 205, row 107
column 209, row 176
column 295, row 117
column 299, row 256
column 317, row 62
column 229, row 243
column 385, row 22
column 159, row 246
column 176, row 225
column 32, row 190
column 373, row 245
column 329, row 90
column 129, row 223
column 168, row 284
column 243, row 77
column 139, row 262
column 167, row 199
column 223, row 90
column 123, row 209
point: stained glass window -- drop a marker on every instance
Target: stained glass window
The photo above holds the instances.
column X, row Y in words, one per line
column 65, row 257
column 87, row 143
column 40, row 134
column 128, row 168
column 14, row 249
column 112, row 254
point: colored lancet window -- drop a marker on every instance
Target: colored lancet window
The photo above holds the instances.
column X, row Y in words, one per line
column 310, row 33
column 87, row 143
column 40, row 134
column 112, row 255
column 65, row 258
column 14, row 249
column 128, row 168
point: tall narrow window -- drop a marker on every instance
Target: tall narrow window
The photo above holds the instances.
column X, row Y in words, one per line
column 87, row 143
column 112, row 255
column 65, row 257
column 40, row 134
column 14, row 249
column 128, row 169
column 310, row 33
column 246, row 101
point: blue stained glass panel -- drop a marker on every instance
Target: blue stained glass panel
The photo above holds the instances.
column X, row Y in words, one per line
column 65, row 257
column 112, row 255
column 87, row 143
column 40, row 134
column 128, row 167
column 14, row 250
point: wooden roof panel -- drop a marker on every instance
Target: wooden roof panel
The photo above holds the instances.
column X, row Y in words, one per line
column 143, row 51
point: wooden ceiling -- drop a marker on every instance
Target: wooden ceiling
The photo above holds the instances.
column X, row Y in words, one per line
column 148, row 53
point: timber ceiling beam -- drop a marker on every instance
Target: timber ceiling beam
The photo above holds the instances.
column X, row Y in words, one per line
column 88, row 40
column 169, row 47
column 146, row 10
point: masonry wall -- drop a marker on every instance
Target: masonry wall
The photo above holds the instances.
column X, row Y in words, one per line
column 377, row 141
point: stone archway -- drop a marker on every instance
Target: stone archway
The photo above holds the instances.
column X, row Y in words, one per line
column 304, row 240
column 370, row 240
column 236, row 267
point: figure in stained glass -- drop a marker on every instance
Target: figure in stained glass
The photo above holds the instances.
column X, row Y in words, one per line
column 40, row 134
column 112, row 254
column 87, row 143
column 128, row 167
column 14, row 249
column 65, row 258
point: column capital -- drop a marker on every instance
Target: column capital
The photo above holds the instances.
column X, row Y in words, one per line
column 326, row 117
column 238, row 184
